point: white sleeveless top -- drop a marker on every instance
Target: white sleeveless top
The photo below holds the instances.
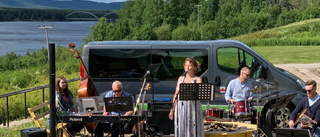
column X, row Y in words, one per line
column 186, row 124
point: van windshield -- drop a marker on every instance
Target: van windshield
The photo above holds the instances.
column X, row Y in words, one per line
column 133, row 63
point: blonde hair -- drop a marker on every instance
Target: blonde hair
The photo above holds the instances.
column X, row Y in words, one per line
column 194, row 63
column 244, row 69
column 311, row 82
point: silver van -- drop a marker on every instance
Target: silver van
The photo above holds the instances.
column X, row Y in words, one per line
column 221, row 61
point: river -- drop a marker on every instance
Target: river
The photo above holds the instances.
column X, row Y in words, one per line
column 20, row 37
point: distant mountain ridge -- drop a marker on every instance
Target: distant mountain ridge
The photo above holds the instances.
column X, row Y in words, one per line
column 54, row 4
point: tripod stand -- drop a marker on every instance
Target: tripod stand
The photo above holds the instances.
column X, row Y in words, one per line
column 196, row 92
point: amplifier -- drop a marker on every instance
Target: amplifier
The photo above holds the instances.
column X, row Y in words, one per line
column 159, row 106
column 158, row 115
column 33, row 132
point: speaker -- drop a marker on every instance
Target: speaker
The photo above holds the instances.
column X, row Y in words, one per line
column 158, row 117
column 33, row 132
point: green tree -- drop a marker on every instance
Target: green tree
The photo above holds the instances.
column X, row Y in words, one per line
column 208, row 10
column 209, row 30
column 145, row 33
column 153, row 13
column 184, row 33
column 98, row 31
column 252, row 6
column 163, row 32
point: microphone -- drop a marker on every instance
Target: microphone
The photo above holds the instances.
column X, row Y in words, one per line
column 147, row 73
column 185, row 72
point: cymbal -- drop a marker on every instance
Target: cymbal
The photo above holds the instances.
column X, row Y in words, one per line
column 217, row 95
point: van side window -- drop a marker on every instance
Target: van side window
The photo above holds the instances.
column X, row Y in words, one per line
column 172, row 61
column 231, row 60
column 118, row 63
column 133, row 63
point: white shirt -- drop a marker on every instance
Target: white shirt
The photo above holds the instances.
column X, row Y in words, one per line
column 314, row 100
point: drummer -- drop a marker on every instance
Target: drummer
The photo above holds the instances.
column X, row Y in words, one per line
column 237, row 88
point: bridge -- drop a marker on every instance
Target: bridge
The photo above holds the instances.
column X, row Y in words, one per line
column 88, row 16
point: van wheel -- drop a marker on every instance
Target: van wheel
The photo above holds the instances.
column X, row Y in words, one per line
column 268, row 122
column 283, row 115
column 276, row 118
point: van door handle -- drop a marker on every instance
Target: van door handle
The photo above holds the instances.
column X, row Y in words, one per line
column 204, row 80
column 217, row 81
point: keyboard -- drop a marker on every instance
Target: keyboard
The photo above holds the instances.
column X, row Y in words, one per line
column 99, row 119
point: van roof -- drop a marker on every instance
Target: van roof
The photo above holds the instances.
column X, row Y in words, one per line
column 161, row 42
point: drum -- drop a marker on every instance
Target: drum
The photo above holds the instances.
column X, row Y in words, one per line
column 214, row 112
column 241, row 108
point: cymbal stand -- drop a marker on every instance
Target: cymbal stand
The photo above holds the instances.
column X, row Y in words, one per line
column 262, row 134
column 258, row 108
column 258, row 113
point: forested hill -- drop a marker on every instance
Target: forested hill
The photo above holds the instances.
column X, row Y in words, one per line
column 202, row 19
column 55, row 4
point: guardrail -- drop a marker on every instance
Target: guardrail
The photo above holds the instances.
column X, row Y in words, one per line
column 25, row 91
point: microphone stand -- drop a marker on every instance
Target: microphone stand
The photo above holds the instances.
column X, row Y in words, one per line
column 176, row 102
column 136, row 107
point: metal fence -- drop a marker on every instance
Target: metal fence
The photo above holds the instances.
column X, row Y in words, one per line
column 25, row 91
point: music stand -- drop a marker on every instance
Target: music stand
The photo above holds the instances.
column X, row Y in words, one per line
column 292, row 132
column 196, row 91
column 118, row 104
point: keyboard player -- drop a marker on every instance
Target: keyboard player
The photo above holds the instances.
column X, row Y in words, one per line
column 117, row 91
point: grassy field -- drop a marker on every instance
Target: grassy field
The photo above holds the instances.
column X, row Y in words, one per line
column 296, row 34
column 289, row 54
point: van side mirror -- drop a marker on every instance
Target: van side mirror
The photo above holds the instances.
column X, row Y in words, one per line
column 263, row 72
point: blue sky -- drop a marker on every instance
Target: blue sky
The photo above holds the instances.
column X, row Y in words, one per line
column 108, row 1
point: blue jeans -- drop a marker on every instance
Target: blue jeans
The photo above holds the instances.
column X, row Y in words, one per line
column 316, row 131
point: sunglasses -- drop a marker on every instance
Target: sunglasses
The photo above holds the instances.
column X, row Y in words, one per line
column 248, row 75
column 310, row 90
column 119, row 90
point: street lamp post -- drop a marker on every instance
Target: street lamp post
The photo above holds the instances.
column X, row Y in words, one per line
column 198, row 14
column 46, row 27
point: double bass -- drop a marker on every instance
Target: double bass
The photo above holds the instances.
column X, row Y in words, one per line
column 86, row 87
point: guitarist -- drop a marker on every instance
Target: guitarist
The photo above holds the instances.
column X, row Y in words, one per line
column 117, row 91
column 312, row 105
